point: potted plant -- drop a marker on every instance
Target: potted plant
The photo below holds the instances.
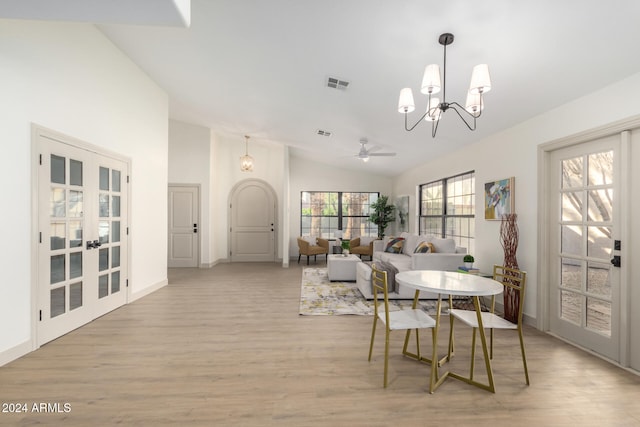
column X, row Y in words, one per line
column 468, row 261
column 345, row 247
column 382, row 215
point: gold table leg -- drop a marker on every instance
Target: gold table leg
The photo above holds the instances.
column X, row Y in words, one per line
column 487, row 362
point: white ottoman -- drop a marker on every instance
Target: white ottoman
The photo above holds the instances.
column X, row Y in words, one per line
column 340, row 267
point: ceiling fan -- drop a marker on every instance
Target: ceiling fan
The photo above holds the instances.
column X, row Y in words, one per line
column 365, row 153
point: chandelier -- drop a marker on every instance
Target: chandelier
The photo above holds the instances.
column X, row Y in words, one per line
column 246, row 161
column 431, row 85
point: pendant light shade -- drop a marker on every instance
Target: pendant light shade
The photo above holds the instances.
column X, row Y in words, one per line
column 246, row 161
column 480, row 79
column 405, row 103
column 474, row 104
column 431, row 82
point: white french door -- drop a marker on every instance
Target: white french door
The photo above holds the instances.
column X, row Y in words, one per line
column 82, row 228
column 585, row 216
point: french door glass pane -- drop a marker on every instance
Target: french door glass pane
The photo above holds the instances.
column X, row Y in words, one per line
column 571, row 240
column 572, row 172
column 571, row 274
column 75, row 296
column 115, row 180
column 601, row 168
column 598, row 279
column 115, row 282
column 115, row 231
column 103, row 286
column 104, row 205
column 58, row 301
column 75, row 265
column 599, row 242
column 600, row 204
column 103, row 231
column 58, row 203
column 76, row 204
column 75, row 172
column 58, row 235
column 75, row 234
column 104, row 179
column 57, row 271
column 599, row 316
column 572, row 206
column 104, row 259
column 58, row 169
column 115, row 256
column 115, row 206
column 570, row 307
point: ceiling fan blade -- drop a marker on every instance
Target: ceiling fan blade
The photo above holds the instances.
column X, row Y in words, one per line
column 382, row 154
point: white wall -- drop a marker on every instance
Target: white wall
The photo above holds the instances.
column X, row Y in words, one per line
column 190, row 163
column 514, row 153
column 71, row 79
column 311, row 176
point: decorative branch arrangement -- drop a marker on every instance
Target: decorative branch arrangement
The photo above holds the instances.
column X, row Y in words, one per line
column 509, row 239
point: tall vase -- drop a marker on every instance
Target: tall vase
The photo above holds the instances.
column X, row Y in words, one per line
column 509, row 240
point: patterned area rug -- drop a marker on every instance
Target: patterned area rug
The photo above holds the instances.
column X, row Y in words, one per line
column 320, row 297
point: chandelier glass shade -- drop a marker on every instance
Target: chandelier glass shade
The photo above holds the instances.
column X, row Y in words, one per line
column 246, row 161
column 436, row 106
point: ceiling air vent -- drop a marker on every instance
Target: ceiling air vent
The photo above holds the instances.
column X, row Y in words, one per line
column 323, row 132
column 336, row 83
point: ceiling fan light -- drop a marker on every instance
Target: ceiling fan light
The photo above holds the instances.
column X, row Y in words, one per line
column 431, row 82
column 474, row 104
column 433, row 111
column 364, row 158
column 480, row 79
column 405, row 102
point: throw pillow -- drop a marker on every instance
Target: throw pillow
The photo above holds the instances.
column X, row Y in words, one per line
column 410, row 243
column 311, row 240
column 395, row 245
column 424, row 247
column 444, row 246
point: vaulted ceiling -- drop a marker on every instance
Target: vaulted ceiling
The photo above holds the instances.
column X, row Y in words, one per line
column 260, row 68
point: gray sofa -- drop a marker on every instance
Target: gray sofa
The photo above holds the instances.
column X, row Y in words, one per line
column 445, row 255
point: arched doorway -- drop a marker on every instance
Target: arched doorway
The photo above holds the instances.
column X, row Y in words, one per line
column 252, row 219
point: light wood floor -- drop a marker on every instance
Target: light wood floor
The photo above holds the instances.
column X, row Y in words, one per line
column 226, row 347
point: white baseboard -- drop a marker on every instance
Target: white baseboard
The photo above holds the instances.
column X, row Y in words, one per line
column 15, row 352
column 148, row 290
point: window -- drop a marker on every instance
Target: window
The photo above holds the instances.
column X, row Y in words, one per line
column 447, row 209
column 322, row 213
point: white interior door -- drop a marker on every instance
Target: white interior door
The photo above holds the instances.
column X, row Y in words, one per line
column 184, row 208
column 585, row 213
column 82, row 267
column 252, row 215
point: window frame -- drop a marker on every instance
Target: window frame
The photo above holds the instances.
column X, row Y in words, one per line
column 463, row 228
column 342, row 217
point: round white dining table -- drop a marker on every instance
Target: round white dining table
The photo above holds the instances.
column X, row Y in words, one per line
column 451, row 283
